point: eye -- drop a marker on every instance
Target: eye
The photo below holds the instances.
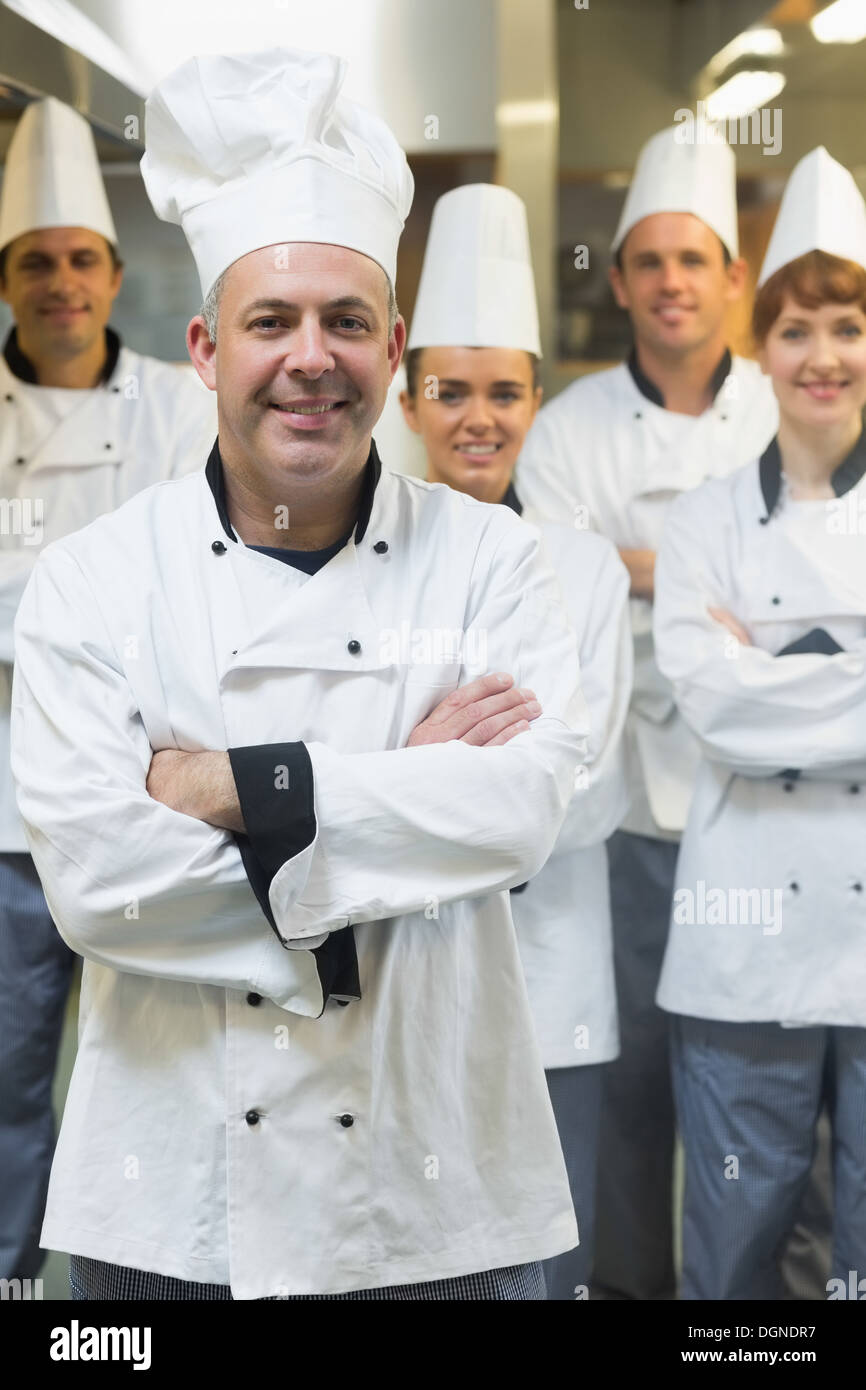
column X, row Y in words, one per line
column 791, row 333
column 449, row 396
column 851, row 330
column 507, row 396
column 265, row 323
column 351, row 322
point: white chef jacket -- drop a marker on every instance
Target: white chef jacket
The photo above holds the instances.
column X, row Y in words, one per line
column 605, row 453
column 779, row 810
column 153, row 629
column 563, row 915
column 69, row 455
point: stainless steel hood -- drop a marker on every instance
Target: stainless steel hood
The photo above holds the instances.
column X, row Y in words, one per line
column 34, row 64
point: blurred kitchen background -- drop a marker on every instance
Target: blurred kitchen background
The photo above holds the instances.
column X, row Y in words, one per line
column 552, row 97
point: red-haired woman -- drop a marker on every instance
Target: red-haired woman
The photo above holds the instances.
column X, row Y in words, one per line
column 760, row 623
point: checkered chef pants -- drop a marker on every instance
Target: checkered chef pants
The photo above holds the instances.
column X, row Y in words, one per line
column 94, row 1279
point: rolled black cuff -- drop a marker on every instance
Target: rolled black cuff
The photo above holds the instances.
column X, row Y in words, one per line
column 275, row 789
column 818, row 640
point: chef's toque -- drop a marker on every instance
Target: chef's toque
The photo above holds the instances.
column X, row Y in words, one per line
column 52, row 176
column 256, row 149
column 477, row 288
column 822, row 209
column 676, row 175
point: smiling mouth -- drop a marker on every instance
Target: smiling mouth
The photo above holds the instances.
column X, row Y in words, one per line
column 818, row 387
column 308, row 409
column 478, row 450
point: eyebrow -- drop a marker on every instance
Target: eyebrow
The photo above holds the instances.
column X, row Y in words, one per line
column 683, row 251
column 346, row 301
column 456, row 381
column 796, row 318
column 37, row 255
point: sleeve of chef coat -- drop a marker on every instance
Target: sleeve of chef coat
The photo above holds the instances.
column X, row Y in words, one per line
column 755, row 712
column 564, row 469
column 555, row 471
column 399, row 829
column 130, row 883
column 194, row 426
column 16, row 567
column 605, row 646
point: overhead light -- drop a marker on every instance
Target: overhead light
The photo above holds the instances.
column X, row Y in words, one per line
column 842, row 22
column 742, row 93
column 752, row 43
column 526, row 112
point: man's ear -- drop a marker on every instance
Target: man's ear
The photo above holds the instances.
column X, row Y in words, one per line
column 736, row 273
column 202, row 351
column 617, row 284
column 397, row 345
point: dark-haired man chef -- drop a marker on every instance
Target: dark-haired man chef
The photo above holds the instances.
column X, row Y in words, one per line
column 85, row 423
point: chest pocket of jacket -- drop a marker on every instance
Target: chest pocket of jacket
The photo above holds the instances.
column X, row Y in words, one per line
column 69, row 498
column 415, row 689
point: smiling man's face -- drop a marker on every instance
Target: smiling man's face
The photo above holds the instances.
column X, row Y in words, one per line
column 60, row 284
column 674, row 282
column 302, row 363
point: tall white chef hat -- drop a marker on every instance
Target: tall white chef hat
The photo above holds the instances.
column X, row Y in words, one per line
column 822, row 209
column 52, row 176
column 255, row 149
column 674, row 174
column 476, row 287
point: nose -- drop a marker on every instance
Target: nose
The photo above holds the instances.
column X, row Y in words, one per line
column 309, row 352
column 672, row 276
column 61, row 281
column 479, row 417
column 824, row 355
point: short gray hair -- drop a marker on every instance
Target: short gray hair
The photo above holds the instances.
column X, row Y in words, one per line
column 210, row 308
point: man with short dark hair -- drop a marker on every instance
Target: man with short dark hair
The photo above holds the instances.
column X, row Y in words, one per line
column 282, row 828
column 84, row 424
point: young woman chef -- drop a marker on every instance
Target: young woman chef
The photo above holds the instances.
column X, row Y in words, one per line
column 472, row 395
column 760, row 624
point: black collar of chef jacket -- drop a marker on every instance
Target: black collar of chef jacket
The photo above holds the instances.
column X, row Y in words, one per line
column 512, row 500
column 23, row 368
column 372, row 472
column 846, row 476
column 651, row 391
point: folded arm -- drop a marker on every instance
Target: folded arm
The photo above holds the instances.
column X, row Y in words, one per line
column 755, row 712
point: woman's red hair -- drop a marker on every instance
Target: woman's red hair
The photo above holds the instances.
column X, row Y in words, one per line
column 812, row 280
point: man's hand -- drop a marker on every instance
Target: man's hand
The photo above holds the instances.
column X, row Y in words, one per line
column 201, row 785
column 727, row 620
column 487, row 712
column 641, row 565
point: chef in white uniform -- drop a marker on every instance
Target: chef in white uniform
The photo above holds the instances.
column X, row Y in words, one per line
column 760, row 624
column 279, row 762
column 85, row 423
column 472, row 395
column 612, row 450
